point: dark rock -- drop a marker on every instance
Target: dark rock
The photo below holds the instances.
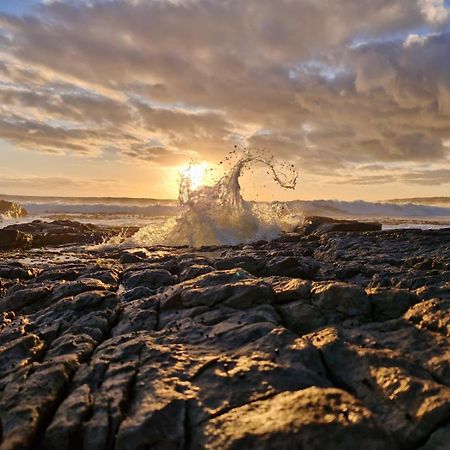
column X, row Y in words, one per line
column 289, row 289
column 348, row 300
column 390, row 303
column 321, row 225
column 59, row 232
column 301, row 317
column 151, row 278
column 439, row 440
column 337, row 340
column 14, row 239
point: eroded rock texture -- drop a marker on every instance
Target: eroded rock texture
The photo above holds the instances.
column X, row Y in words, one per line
column 337, row 340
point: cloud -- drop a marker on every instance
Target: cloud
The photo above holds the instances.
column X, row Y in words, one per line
column 327, row 85
column 435, row 11
column 436, row 177
column 31, row 184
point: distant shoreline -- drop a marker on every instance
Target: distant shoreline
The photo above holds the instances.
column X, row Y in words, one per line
column 434, row 201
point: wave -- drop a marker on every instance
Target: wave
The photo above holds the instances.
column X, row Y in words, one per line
column 369, row 209
column 335, row 208
column 217, row 214
column 153, row 210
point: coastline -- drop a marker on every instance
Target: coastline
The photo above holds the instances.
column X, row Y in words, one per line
column 329, row 335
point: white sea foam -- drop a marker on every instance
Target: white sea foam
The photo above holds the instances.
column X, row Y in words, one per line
column 217, row 214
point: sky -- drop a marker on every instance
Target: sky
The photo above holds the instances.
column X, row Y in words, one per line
column 115, row 97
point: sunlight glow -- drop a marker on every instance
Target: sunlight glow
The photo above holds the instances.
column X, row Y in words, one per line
column 196, row 174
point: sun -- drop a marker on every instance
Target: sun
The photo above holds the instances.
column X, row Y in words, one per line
column 196, row 174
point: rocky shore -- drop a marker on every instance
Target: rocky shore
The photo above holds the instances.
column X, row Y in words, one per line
column 327, row 338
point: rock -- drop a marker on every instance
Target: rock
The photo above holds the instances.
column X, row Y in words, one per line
column 234, row 288
column 347, row 346
column 12, row 210
column 194, row 271
column 24, row 297
column 151, row 278
column 59, row 232
column 14, row 239
column 18, row 272
column 433, row 314
column 312, row 418
column 404, row 396
column 321, row 225
column 390, row 303
column 129, row 257
column 291, row 266
column 342, row 299
column 439, row 440
column 301, row 317
column 289, row 289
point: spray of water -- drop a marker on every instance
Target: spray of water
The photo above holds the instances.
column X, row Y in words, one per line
column 217, row 214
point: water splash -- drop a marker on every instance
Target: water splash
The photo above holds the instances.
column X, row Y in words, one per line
column 218, row 214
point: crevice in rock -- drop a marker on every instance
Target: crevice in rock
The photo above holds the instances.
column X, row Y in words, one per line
column 63, row 395
column 227, row 410
column 187, row 443
column 128, row 401
column 443, row 423
column 204, row 367
column 157, row 310
column 46, row 420
column 337, row 381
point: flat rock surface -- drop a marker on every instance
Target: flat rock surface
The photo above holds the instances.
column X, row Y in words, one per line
column 336, row 340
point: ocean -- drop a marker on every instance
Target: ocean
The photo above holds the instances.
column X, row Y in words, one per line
column 144, row 212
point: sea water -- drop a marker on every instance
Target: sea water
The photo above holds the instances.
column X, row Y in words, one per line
column 218, row 213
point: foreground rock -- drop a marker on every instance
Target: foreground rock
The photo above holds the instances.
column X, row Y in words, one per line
column 335, row 340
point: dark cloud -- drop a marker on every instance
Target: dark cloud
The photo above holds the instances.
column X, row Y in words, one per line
column 328, row 84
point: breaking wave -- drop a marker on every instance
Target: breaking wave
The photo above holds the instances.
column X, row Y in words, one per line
column 218, row 214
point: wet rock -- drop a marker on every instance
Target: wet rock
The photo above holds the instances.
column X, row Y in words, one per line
column 70, row 288
column 252, row 263
column 12, row 210
column 130, row 257
column 321, row 225
column 59, row 232
column 194, row 271
column 14, row 239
